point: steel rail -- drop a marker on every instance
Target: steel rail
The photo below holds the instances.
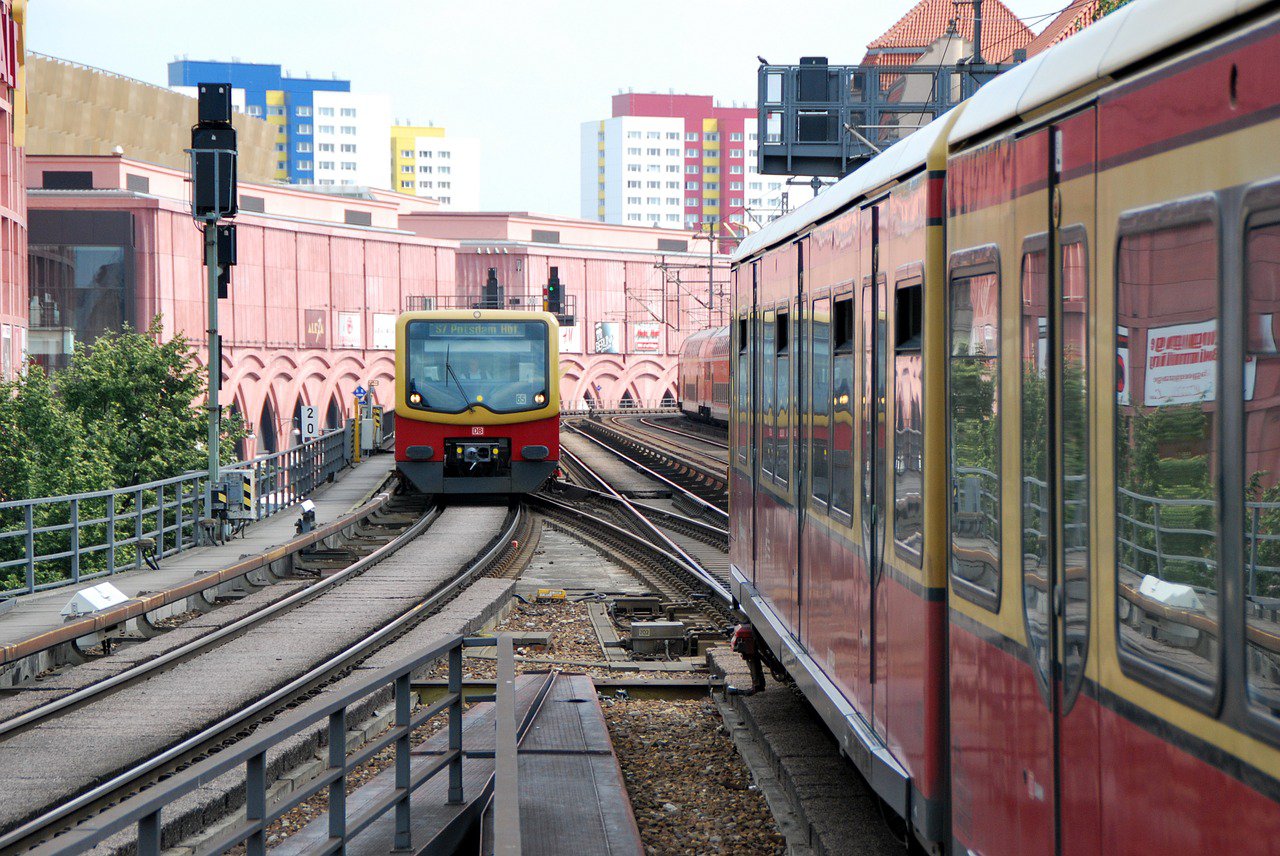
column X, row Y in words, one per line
column 688, row 434
column 302, row 683
column 197, row 646
column 715, row 511
column 703, row 526
column 667, row 547
column 109, row 618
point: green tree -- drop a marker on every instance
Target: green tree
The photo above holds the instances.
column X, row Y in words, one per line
column 126, row 411
column 1106, row 7
column 140, row 398
column 43, row 448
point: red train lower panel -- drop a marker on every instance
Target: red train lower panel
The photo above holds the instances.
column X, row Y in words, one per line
column 477, row 458
column 1130, row 783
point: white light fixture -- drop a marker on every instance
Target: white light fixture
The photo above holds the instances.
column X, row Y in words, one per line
column 93, row 599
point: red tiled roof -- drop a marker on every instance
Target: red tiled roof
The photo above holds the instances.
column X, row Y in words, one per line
column 1002, row 32
column 1070, row 21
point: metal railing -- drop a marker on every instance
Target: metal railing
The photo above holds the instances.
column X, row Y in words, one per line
column 586, row 406
column 143, row 810
column 283, row 478
column 64, row 540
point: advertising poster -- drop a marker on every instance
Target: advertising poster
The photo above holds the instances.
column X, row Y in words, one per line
column 646, row 337
column 608, row 337
column 571, row 339
column 1182, row 365
column 315, row 333
column 384, row 331
column 350, row 333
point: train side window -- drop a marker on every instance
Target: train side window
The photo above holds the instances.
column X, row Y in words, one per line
column 769, row 366
column 974, row 406
column 1166, row 459
column 782, row 422
column 908, row 437
column 1262, row 461
column 820, row 402
column 742, row 387
column 842, row 398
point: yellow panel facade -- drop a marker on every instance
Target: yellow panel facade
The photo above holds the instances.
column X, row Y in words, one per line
column 404, row 138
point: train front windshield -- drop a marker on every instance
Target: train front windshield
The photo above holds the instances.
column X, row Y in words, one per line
column 457, row 365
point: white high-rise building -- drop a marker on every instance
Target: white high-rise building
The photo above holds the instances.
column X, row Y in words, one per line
column 427, row 162
column 680, row 162
column 350, row 139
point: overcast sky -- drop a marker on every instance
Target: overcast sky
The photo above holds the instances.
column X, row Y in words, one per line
column 521, row 77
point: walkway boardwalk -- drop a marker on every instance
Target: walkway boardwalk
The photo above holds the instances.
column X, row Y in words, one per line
column 33, row 614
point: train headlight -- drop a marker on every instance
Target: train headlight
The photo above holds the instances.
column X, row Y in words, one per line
column 539, row 399
column 415, row 398
column 479, row 398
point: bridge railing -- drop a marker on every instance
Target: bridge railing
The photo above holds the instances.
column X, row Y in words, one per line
column 64, row 540
column 143, row 811
column 584, row 406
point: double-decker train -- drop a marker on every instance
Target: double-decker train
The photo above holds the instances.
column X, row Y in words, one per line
column 703, row 375
column 477, row 400
column 1004, row 501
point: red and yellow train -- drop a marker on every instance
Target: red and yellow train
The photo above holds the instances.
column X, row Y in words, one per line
column 703, row 375
column 477, row 400
column 1004, row 501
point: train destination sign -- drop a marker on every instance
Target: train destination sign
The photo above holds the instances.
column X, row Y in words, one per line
column 476, row 328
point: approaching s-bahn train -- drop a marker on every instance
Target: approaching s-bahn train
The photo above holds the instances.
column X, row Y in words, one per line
column 1005, row 479
column 477, row 400
column 704, row 375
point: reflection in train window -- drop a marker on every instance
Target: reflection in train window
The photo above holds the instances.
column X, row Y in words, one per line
column 842, row 397
column 1165, row 451
column 769, row 360
column 908, row 426
column 742, row 383
column 975, row 436
column 782, row 403
column 1262, row 463
column 1073, row 425
column 1036, row 496
column 820, row 400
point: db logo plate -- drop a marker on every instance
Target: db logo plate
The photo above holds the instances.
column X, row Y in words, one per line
column 477, row 431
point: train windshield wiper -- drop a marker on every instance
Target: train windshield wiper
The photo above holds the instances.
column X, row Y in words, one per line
column 450, row 372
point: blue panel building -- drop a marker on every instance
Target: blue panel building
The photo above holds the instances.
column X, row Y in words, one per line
column 286, row 102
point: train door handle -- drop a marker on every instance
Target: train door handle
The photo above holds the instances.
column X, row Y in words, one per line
column 1058, row 600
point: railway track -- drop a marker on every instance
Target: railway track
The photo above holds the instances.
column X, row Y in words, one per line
column 695, row 438
column 697, row 546
column 702, row 485
column 358, row 581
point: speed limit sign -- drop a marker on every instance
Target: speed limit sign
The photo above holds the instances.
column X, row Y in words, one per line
column 310, row 419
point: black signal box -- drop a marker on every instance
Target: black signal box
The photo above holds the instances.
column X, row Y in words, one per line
column 214, row 104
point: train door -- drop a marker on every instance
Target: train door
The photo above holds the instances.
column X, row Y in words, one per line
column 800, row 432
column 1055, row 277
column 872, row 302
column 757, row 418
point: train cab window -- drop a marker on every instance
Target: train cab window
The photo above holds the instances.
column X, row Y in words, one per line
column 908, row 423
column 842, row 398
column 1166, row 464
column 782, row 403
column 820, row 402
column 768, row 373
column 1262, row 461
column 974, row 347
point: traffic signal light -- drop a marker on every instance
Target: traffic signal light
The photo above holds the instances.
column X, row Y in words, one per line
column 553, row 300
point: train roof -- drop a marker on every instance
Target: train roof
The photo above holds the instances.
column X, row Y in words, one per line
column 1130, row 34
